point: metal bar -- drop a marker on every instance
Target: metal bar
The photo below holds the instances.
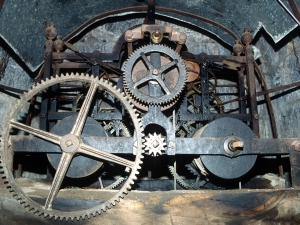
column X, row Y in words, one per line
column 99, row 116
column 295, row 9
column 271, row 114
column 144, row 8
column 72, row 65
column 241, row 90
column 205, row 93
column 47, row 74
column 289, row 12
column 150, row 19
column 198, row 146
column 252, row 89
column 12, row 89
column 271, row 90
column 213, row 58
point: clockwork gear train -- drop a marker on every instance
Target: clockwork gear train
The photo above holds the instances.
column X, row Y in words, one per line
column 99, row 114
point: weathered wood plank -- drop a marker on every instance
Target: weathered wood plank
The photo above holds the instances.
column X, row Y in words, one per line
column 179, row 207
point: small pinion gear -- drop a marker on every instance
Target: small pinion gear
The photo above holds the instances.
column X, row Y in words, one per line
column 155, row 144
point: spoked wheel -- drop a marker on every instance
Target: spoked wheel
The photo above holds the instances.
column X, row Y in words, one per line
column 53, row 200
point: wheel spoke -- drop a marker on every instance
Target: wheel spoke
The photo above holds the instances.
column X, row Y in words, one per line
column 79, row 123
column 146, row 61
column 100, row 154
column 36, row 132
column 167, row 66
column 141, row 81
column 61, row 171
column 163, row 85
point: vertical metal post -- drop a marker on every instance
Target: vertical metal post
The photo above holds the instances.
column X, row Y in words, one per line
column 205, row 93
column 241, row 90
column 252, row 90
column 247, row 38
column 151, row 12
column 47, row 74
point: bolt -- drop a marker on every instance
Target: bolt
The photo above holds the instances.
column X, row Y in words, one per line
column 237, row 144
column 182, row 36
column 156, row 37
column 155, row 144
column 157, row 34
column 69, row 143
column 256, row 116
column 155, row 72
column 128, row 33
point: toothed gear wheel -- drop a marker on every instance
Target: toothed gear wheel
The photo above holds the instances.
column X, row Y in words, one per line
column 124, row 132
column 154, row 64
column 155, row 144
column 197, row 184
column 49, row 206
column 112, row 128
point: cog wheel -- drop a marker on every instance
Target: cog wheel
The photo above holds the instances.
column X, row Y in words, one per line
column 145, row 106
column 48, row 204
column 119, row 128
column 155, row 144
column 195, row 185
column 154, row 65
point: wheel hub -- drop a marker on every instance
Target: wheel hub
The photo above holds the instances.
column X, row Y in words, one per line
column 69, row 143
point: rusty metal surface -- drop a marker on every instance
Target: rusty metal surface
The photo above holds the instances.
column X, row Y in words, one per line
column 69, row 15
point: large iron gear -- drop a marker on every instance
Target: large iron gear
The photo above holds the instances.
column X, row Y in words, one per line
column 47, row 207
column 139, row 72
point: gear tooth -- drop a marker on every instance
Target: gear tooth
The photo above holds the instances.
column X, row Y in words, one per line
column 121, row 195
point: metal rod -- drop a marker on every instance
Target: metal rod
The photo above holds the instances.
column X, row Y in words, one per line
column 295, row 9
column 289, row 12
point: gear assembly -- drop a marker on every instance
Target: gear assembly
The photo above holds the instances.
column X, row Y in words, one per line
column 149, row 99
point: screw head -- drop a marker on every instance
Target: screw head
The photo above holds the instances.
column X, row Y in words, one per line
column 69, row 143
column 129, row 33
column 155, row 72
column 155, row 144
